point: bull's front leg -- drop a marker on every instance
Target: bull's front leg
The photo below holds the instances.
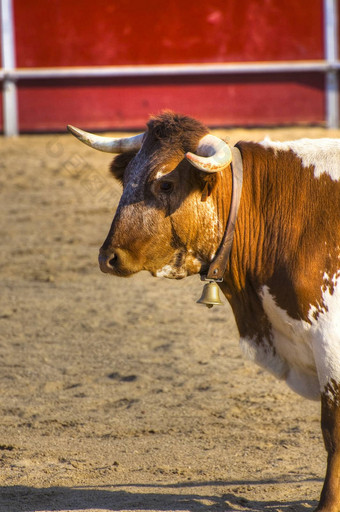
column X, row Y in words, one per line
column 330, row 423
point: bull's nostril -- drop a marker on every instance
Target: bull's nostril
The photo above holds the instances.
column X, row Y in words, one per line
column 112, row 261
column 107, row 262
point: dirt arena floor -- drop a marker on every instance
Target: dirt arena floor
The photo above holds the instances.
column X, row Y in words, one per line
column 124, row 394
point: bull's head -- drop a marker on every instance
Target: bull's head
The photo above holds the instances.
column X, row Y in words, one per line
column 168, row 220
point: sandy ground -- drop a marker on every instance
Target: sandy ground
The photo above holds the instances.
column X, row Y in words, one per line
column 125, row 395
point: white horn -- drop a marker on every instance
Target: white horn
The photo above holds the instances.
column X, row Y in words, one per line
column 213, row 154
column 108, row 144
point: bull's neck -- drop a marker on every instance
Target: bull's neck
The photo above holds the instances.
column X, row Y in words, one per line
column 243, row 275
column 266, row 221
column 250, row 252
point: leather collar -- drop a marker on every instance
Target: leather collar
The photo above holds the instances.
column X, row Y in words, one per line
column 219, row 264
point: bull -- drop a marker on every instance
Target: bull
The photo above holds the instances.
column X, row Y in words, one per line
column 282, row 273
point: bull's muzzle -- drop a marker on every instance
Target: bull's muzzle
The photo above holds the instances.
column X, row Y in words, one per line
column 118, row 262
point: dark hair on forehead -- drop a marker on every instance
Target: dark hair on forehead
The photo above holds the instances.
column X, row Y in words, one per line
column 177, row 130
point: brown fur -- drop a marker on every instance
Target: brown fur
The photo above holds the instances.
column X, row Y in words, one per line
column 176, row 131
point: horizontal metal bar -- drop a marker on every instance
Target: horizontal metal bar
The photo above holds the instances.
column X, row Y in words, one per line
column 169, row 70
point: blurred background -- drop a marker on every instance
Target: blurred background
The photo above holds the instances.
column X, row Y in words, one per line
column 112, row 63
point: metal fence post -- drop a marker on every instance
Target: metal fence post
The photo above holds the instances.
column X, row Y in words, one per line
column 331, row 56
column 10, row 102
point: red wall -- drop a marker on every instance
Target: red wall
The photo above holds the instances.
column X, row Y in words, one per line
column 128, row 103
column 127, row 32
column 117, row 32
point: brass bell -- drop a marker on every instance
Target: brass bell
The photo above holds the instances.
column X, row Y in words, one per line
column 210, row 295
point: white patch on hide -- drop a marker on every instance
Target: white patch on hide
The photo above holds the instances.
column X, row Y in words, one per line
column 171, row 273
column 326, row 333
column 190, row 265
column 305, row 383
column 263, row 355
column 166, row 271
column 294, row 347
column 323, row 154
column 306, row 354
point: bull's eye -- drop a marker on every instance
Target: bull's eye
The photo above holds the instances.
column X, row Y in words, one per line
column 166, row 187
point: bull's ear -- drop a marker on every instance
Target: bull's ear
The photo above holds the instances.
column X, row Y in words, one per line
column 120, row 163
column 209, row 184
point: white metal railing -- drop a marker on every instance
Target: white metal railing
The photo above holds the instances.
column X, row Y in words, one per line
column 171, row 70
column 10, row 74
column 9, row 89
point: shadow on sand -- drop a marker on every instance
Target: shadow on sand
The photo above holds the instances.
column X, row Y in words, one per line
column 190, row 497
